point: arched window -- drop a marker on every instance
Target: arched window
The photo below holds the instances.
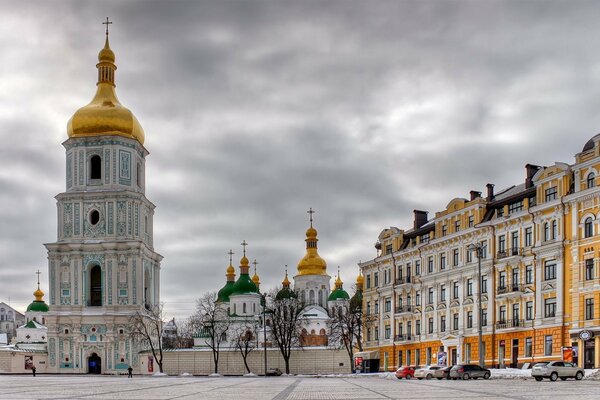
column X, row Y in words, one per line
column 588, row 227
column 312, row 332
column 591, row 180
column 311, row 297
column 138, row 175
column 546, row 232
column 322, row 331
column 95, row 167
column 554, row 229
column 95, row 286
column 320, row 298
column 148, row 292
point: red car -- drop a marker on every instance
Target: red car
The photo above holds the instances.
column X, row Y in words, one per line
column 407, row 372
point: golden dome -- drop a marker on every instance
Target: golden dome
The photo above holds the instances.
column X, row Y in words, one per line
column 338, row 282
column 105, row 115
column 256, row 279
column 230, row 270
column 286, row 281
column 360, row 280
column 38, row 294
column 312, row 263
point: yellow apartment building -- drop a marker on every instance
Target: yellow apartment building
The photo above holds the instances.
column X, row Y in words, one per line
column 540, row 275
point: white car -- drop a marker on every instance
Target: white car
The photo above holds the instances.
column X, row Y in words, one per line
column 426, row 372
column 556, row 369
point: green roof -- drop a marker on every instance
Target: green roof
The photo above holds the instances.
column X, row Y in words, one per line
column 338, row 294
column 286, row 293
column 39, row 306
column 223, row 295
column 244, row 285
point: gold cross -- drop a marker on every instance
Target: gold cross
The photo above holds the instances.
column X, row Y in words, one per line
column 231, row 253
column 38, row 274
column 107, row 23
column 255, row 263
column 311, row 212
column 244, row 244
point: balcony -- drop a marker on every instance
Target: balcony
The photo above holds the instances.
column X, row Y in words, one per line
column 404, row 338
column 512, row 323
column 516, row 288
column 402, row 281
column 407, row 308
column 515, row 251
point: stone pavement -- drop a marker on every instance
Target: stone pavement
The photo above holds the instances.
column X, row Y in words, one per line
column 285, row 388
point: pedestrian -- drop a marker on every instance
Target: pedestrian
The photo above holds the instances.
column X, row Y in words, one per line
column 33, row 370
column 129, row 372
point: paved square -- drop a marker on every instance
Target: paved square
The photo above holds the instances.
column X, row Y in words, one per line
column 285, row 388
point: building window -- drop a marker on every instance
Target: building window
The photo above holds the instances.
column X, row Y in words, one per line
column 430, row 296
column 551, row 193
column 500, row 212
column 368, row 281
column 471, row 221
column 417, row 356
column 455, row 290
column 529, row 274
column 467, row 352
column 455, row 258
column 388, row 331
column 548, row 345
column 528, row 237
column 484, row 317
column 554, row 229
column 483, row 283
column 430, row 264
column 515, row 277
column 368, row 308
column 588, row 227
column 443, row 323
column 528, row 348
column 589, row 269
column 455, row 321
column 502, row 280
column 376, row 307
column 95, row 167
column 428, row 356
column 549, row 270
column 483, row 246
column 457, row 225
column 388, row 304
column 376, row 279
column 589, row 309
column 418, row 327
column 502, row 314
column 516, row 311
column 546, row 232
column 388, row 249
column 430, row 325
column 550, row 307
column 425, row 238
column 418, row 298
column 469, row 319
column 418, row 267
column 442, row 292
column 408, row 357
column 514, row 243
column 501, row 244
column 469, row 255
column 529, row 310
column 469, row 287
column 444, row 230
column 591, row 180
column 442, row 261
column 515, row 207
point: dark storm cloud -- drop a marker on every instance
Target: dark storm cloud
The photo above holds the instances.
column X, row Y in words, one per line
column 256, row 110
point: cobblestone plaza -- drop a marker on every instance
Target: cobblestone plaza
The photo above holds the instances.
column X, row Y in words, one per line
column 290, row 388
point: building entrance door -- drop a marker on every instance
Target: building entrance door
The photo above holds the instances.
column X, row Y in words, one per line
column 94, row 364
column 453, row 356
column 514, row 354
column 589, row 354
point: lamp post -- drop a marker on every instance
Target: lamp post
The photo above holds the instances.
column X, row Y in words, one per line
column 479, row 248
column 264, row 299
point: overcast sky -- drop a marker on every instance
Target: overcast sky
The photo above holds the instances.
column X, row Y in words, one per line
column 255, row 111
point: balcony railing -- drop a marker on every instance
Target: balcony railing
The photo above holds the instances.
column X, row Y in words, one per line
column 403, row 338
column 515, row 251
column 404, row 308
column 510, row 288
column 511, row 323
column 401, row 281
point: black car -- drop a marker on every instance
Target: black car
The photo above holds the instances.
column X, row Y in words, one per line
column 273, row 372
column 468, row 371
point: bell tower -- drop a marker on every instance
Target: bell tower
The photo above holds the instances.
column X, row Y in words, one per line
column 102, row 267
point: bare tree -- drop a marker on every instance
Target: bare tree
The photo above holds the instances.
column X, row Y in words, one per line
column 146, row 329
column 214, row 321
column 285, row 313
column 245, row 340
column 346, row 327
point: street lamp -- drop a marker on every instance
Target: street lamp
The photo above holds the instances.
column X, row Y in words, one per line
column 264, row 301
column 479, row 249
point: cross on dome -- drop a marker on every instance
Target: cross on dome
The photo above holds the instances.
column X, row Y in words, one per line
column 231, row 253
column 107, row 22
column 311, row 212
column 244, row 244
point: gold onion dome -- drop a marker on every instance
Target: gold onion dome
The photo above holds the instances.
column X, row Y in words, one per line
column 338, row 293
column 38, row 304
column 223, row 294
column 105, row 115
column 312, row 263
column 360, row 280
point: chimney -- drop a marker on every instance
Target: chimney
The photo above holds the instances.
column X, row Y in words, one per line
column 531, row 170
column 475, row 194
column 420, row 218
column 490, row 191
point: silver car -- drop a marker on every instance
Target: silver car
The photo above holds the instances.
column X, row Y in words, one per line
column 557, row 369
column 426, row 372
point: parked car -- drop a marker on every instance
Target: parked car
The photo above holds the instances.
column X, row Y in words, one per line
column 406, row 372
column 426, row 372
column 556, row 369
column 273, row 372
column 468, row 371
column 442, row 373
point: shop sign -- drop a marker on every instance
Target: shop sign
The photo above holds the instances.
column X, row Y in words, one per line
column 585, row 335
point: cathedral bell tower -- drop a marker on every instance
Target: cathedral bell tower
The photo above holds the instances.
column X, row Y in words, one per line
column 102, row 267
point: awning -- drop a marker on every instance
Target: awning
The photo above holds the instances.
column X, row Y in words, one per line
column 368, row 355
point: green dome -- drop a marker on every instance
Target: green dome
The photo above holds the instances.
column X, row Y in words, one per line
column 338, row 294
column 39, row 306
column 286, row 293
column 225, row 292
column 243, row 285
